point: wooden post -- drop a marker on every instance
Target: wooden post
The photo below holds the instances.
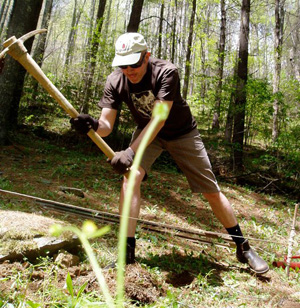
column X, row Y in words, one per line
column 291, row 240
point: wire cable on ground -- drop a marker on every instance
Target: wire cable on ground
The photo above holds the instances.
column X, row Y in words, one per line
column 189, row 234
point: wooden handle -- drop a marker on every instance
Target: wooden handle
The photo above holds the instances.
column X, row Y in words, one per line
column 17, row 50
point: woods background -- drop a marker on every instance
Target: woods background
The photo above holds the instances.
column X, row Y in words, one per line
column 238, row 61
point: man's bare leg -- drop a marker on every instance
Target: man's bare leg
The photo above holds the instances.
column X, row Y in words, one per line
column 221, row 208
column 224, row 212
column 135, row 203
column 133, row 213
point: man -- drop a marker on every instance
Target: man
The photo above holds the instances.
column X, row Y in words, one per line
column 141, row 82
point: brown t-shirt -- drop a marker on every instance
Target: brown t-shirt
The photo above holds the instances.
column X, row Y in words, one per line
column 161, row 82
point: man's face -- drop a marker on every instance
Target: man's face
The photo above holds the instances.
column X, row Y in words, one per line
column 135, row 75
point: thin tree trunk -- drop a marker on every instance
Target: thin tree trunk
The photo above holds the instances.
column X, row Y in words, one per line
column 40, row 46
column 160, row 31
column 229, row 119
column 135, row 16
column 189, row 51
column 91, row 28
column 4, row 15
column 91, row 58
column 295, row 49
column 294, row 53
column 174, row 34
column 279, row 21
column 242, row 74
column 107, row 19
column 24, row 18
column 72, row 34
column 71, row 39
column 3, row 10
column 221, row 57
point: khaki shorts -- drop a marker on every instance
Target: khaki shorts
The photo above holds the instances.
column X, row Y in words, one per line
column 189, row 153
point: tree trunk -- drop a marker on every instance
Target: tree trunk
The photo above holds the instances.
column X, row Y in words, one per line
column 242, row 74
column 221, row 57
column 188, row 53
column 40, row 46
column 24, row 18
column 229, row 118
column 91, row 59
column 294, row 59
column 4, row 13
column 72, row 34
column 294, row 52
column 71, row 38
column 279, row 21
column 2, row 8
column 162, row 8
column 91, row 28
column 108, row 13
column 135, row 16
column 174, row 34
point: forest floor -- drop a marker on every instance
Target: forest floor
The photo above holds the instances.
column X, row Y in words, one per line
column 170, row 271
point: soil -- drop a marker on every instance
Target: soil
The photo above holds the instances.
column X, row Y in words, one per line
column 139, row 285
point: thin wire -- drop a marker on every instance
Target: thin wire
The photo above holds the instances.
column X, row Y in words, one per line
column 157, row 224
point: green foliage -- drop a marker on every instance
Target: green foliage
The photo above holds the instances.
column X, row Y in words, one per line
column 75, row 300
column 31, row 304
column 259, row 109
column 5, row 183
column 89, row 231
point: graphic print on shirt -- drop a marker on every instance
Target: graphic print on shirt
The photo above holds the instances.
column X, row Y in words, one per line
column 143, row 102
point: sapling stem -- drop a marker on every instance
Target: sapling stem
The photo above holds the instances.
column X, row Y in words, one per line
column 89, row 230
column 160, row 113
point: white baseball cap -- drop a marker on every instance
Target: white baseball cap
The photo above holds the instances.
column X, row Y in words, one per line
column 128, row 49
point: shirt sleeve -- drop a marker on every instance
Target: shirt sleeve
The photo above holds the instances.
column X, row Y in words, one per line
column 168, row 85
column 111, row 98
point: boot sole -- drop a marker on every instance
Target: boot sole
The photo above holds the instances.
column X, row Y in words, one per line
column 259, row 272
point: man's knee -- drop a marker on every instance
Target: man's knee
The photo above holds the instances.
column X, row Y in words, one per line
column 215, row 196
column 139, row 176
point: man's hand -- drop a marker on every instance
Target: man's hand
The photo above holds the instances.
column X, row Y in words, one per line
column 122, row 161
column 83, row 123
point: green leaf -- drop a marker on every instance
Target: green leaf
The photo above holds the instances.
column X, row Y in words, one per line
column 70, row 285
column 56, row 230
column 32, row 304
column 81, row 290
column 99, row 232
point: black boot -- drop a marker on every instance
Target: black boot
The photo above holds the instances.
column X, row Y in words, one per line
column 130, row 254
column 130, row 250
column 246, row 254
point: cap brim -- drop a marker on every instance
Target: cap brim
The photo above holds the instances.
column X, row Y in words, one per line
column 126, row 60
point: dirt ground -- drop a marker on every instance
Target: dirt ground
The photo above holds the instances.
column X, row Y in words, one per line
column 141, row 286
column 18, row 230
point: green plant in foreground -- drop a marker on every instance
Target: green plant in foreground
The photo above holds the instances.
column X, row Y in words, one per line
column 75, row 300
column 89, row 231
column 160, row 113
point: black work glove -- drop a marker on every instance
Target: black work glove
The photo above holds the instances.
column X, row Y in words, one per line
column 122, row 161
column 83, row 123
